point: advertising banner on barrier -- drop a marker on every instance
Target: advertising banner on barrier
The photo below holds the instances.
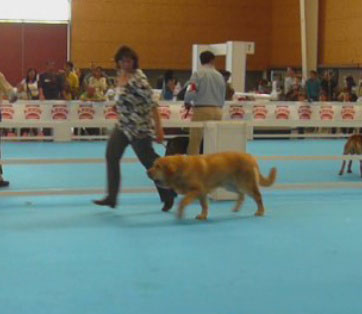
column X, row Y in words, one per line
column 45, row 111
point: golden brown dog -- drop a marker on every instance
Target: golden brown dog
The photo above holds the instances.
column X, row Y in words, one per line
column 196, row 176
column 352, row 147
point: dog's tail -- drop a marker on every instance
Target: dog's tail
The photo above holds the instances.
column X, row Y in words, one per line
column 270, row 179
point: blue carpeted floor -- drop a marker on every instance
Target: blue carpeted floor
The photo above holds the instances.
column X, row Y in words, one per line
column 64, row 255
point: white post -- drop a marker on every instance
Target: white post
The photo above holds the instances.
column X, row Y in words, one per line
column 62, row 132
column 309, row 35
column 236, row 64
column 221, row 136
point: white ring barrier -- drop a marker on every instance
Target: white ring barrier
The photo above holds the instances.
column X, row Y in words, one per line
column 62, row 117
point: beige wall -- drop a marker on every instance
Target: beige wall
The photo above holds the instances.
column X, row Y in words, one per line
column 340, row 32
column 163, row 31
column 286, row 38
column 340, row 36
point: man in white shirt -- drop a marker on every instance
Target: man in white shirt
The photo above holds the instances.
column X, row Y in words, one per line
column 206, row 95
column 289, row 81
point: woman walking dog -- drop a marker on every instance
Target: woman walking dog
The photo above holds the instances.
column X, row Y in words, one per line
column 137, row 112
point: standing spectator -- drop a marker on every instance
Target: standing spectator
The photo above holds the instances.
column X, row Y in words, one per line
column 28, row 88
column 138, row 119
column 50, row 83
column 329, row 85
column 229, row 88
column 98, row 81
column 10, row 92
column 313, row 86
column 206, row 93
column 289, row 81
column 263, row 87
column 71, row 82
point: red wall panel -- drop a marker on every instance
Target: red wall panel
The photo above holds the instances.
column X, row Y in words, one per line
column 31, row 45
column 11, row 50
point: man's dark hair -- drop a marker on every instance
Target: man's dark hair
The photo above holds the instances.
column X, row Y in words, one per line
column 127, row 52
column 168, row 75
column 206, row 57
column 226, row 74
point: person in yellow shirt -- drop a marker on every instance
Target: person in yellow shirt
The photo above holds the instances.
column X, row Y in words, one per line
column 71, row 89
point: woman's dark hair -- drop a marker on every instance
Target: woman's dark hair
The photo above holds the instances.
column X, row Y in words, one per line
column 127, row 52
column 27, row 79
column 70, row 64
column 206, row 57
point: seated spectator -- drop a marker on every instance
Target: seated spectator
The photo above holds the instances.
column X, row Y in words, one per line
column 346, row 95
column 263, row 87
column 229, row 89
column 313, row 86
column 99, row 82
column 323, row 96
column 168, row 88
column 112, row 91
column 91, row 95
column 71, row 86
column 295, row 91
column 28, row 88
column 51, row 84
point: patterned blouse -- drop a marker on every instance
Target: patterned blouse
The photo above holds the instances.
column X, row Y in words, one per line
column 135, row 106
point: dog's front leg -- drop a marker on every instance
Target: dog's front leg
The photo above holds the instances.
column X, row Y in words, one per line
column 360, row 167
column 205, row 209
column 187, row 200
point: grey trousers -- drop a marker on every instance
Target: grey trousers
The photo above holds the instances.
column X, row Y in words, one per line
column 116, row 146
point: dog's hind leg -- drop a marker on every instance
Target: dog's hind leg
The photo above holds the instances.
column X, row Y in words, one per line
column 239, row 201
column 205, row 209
column 360, row 167
column 256, row 195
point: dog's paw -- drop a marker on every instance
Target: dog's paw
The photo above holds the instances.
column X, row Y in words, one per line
column 201, row 217
column 235, row 210
column 260, row 214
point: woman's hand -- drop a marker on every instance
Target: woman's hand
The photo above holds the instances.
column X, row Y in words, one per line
column 160, row 135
